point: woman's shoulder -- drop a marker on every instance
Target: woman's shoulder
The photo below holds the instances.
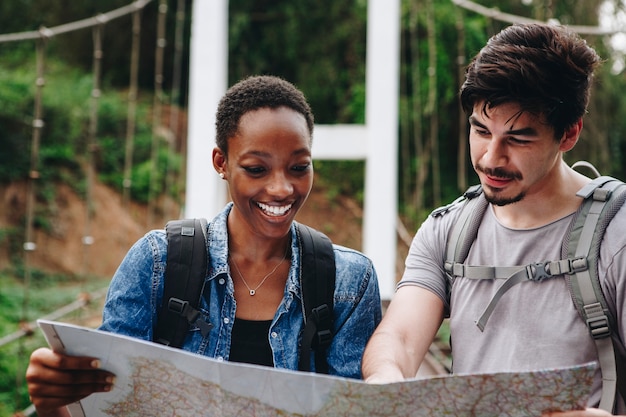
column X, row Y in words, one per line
column 155, row 237
column 152, row 244
column 352, row 267
column 344, row 254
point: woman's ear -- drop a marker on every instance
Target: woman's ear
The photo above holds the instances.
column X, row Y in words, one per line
column 219, row 162
column 571, row 135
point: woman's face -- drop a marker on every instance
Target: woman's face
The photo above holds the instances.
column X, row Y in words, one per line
column 269, row 169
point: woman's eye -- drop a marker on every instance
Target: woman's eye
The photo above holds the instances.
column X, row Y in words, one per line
column 302, row 168
column 254, row 170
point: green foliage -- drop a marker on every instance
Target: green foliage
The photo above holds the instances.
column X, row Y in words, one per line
column 142, row 180
column 342, row 178
column 45, row 293
column 318, row 46
column 64, row 141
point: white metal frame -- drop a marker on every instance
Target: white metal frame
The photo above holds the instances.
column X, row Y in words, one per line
column 375, row 142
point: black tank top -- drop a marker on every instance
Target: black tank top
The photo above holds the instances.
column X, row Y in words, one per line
column 250, row 343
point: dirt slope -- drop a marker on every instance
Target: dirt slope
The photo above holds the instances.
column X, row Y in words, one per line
column 115, row 228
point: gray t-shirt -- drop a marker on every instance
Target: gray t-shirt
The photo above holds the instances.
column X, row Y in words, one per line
column 535, row 325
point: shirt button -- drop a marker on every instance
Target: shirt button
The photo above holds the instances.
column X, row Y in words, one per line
column 274, row 335
column 222, row 281
column 226, row 320
column 220, row 358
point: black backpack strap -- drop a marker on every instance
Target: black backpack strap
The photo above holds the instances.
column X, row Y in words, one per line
column 318, row 290
column 185, row 274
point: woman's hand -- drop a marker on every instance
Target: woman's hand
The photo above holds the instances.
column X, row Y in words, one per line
column 56, row 380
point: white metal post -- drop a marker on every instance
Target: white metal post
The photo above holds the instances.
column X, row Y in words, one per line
column 381, row 117
column 208, row 80
column 376, row 142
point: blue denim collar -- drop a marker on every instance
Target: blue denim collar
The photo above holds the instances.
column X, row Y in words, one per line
column 217, row 235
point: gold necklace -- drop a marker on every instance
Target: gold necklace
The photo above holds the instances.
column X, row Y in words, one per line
column 253, row 290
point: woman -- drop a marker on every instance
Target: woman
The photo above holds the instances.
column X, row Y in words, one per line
column 264, row 135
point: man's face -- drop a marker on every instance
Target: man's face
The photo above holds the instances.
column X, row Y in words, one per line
column 513, row 153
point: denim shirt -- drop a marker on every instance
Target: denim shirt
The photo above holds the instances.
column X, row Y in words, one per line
column 135, row 293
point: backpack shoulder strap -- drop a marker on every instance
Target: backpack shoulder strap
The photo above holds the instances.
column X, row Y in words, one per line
column 603, row 198
column 318, row 290
column 464, row 231
column 185, row 274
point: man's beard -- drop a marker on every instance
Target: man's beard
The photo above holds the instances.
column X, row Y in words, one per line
column 492, row 194
column 493, row 197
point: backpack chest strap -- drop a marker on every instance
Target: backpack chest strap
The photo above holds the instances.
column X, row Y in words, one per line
column 513, row 275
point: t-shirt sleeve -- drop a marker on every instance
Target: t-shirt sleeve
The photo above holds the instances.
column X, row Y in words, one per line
column 425, row 261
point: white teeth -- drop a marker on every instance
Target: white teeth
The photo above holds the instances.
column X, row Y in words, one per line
column 274, row 210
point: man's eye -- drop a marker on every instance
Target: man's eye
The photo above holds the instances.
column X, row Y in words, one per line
column 481, row 132
column 518, row 141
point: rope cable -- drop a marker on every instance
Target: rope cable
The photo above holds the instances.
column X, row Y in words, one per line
column 461, row 171
column 496, row 14
column 132, row 108
column 92, row 142
column 174, row 101
column 29, row 244
column 80, row 24
column 41, row 37
column 156, row 108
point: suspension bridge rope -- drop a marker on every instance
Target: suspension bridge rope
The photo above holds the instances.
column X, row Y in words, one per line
column 92, row 143
column 157, row 131
column 41, row 38
column 132, row 108
column 80, row 24
column 496, row 14
column 171, row 179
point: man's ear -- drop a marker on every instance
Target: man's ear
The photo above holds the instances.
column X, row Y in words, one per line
column 571, row 135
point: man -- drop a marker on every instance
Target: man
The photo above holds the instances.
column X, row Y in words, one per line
column 525, row 94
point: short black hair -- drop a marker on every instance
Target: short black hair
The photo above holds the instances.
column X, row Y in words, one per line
column 546, row 69
column 253, row 93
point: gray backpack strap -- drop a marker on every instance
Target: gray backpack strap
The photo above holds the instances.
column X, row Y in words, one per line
column 603, row 198
column 464, row 231
column 461, row 237
column 460, row 240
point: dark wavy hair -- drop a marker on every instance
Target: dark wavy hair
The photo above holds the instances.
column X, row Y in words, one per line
column 253, row 93
column 546, row 69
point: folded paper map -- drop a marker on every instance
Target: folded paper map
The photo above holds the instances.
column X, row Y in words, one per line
column 155, row 380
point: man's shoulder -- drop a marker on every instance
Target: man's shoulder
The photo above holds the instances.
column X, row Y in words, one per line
column 471, row 194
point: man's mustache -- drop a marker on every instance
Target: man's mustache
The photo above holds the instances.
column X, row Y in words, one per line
column 499, row 173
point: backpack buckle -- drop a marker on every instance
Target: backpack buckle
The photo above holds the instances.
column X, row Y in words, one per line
column 324, row 338
column 599, row 327
column 597, row 321
column 177, row 305
column 322, row 317
column 538, row 271
column 578, row 264
column 182, row 308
